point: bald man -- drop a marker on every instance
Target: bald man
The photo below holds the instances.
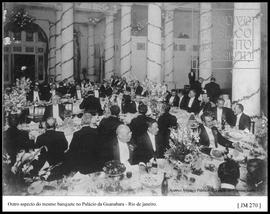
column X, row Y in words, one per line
column 121, row 147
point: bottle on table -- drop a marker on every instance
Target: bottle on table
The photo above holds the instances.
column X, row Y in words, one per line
column 154, row 166
column 164, row 186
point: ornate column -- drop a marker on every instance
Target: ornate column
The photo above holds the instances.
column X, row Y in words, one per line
column 109, row 45
column 91, row 50
column 52, row 49
column 125, row 59
column 247, row 56
column 67, row 41
column 206, row 27
column 58, row 44
column 168, row 45
column 154, row 43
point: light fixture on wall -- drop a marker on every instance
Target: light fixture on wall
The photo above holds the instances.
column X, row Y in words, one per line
column 94, row 20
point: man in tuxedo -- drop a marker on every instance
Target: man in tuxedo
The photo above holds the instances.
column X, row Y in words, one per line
column 205, row 104
column 148, row 145
column 129, row 106
column 211, row 138
column 193, row 104
column 45, row 91
column 83, row 151
column 55, row 143
column 91, row 103
column 229, row 174
column 213, row 89
column 222, row 113
column 138, row 88
column 121, row 147
column 108, row 126
column 62, row 89
column 55, row 110
column 182, row 100
column 14, row 139
column 123, row 84
column 35, row 94
column 174, row 99
column 165, row 122
column 242, row 121
column 138, row 124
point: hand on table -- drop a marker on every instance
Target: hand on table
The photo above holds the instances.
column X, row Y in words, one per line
column 237, row 146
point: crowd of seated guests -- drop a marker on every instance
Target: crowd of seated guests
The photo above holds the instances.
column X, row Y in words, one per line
column 140, row 141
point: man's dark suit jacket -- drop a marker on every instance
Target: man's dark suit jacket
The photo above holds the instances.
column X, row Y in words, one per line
column 107, row 127
column 244, row 122
column 175, row 101
column 227, row 115
column 49, row 111
column 195, row 107
column 129, row 107
column 144, row 150
column 165, row 122
column 219, row 139
column 183, row 103
column 139, row 90
column 56, row 144
column 83, row 151
column 138, row 126
column 213, row 90
column 91, row 103
column 15, row 140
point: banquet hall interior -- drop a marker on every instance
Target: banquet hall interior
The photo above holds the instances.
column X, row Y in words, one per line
column 117, row 94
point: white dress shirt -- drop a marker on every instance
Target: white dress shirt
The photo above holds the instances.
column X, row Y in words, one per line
column 219, row 114
column 55, row 111
column 153, row 140
column 79, row 94
column 191, row 102
column 180, row 100
column 171, row 100
column 96, row 93
column 53, row 93
column 123, row 152
column 238, row 120
column 210, row 136
column 36, row 96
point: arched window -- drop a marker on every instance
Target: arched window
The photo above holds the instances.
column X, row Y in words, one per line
column 27, row 47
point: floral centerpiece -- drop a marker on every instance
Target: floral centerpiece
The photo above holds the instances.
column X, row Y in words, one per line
column 261, row 129
column 183, row 149
column 15, row 98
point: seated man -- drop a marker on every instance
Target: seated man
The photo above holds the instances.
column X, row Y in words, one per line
column 14, row 139
column 82, row 153
column 91, row 103
column 55, row 142
column 222, row 113
column 182, row 100
column 138, row 124
column 193, row 104
column 129, row 106
column 174, row 99
column 205, row 104
column 121, row 147
column 108, row 126
column 228, row 173
column 211, row 138
column 242, row 120
column 148, row 145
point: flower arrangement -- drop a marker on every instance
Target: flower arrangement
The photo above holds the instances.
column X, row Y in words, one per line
column 183, row 147
column 15, row 98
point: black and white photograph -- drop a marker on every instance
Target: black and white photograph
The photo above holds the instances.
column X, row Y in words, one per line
column 115, row 102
